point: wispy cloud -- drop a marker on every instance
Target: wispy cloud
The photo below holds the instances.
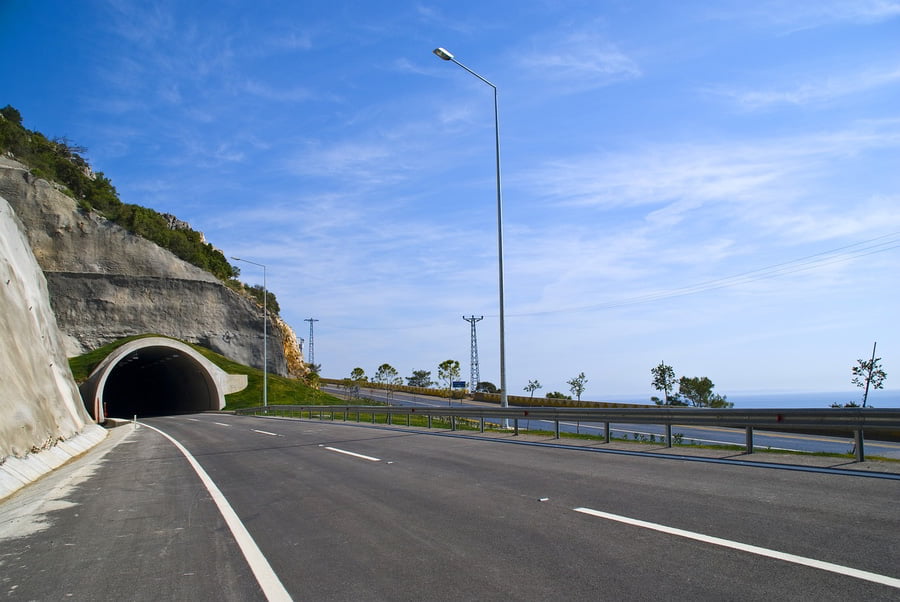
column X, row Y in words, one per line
column 814, row 14
column 697, row 173
column 578, row 60
column 354, row 161
column 276, row 93
column 811, row 92
column 798, row 16
column 431, row 16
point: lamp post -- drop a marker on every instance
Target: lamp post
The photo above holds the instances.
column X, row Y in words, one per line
column 265, row 332
column 447, row 56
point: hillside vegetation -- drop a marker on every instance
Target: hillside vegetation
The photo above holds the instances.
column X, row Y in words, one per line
column 61, row 161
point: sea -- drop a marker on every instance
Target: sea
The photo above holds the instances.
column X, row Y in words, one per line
column 785, row 400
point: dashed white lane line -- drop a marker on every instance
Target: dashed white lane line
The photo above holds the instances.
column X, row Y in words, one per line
column 355, row 455
column 735, row 545
column 266, row 433
column 262, row 570
column 221, row 424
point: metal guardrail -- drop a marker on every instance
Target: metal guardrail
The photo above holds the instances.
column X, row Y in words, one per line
column 850, row 420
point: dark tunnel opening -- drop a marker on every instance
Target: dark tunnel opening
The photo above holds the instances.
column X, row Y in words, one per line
column 157, row 381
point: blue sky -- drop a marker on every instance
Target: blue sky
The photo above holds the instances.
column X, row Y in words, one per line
column 715, row 185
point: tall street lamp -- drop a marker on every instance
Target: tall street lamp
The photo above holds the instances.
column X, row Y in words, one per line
column 265, row 332
column 447, row 56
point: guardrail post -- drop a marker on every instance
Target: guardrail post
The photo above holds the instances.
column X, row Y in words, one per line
column 749, row 440
column 668, row 435
column 556, row 427
column 389, row 419
column 429, row 421
column 453, row 423
column 606, row 429
column 482, row 424
column 859, row 445
column 373, row 416
column 516, row 427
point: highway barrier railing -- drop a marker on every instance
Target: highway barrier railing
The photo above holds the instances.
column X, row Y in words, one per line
column 853, row 421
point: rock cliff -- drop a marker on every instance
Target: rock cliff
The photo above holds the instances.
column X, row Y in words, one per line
column 106, row 283
column 39, row 402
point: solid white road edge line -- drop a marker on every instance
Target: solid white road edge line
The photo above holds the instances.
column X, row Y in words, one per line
column 355, row 455
column 262, row 570
column 735, row 545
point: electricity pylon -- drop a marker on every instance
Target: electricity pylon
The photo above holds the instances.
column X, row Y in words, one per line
column 312, row 352
column 474, row 358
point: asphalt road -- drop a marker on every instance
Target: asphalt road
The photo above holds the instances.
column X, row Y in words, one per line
column 689, row 434
column 355, row 512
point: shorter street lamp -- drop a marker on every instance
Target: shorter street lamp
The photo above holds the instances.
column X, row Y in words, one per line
column 265, row 332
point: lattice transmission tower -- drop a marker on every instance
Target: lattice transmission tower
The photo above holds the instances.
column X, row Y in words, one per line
column 312, row 351
column 473, row 386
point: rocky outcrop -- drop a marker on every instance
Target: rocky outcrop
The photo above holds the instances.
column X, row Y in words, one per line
column 293, row 351
column 106, row 283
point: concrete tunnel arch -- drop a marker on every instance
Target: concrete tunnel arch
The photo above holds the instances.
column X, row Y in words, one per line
column 156, row 376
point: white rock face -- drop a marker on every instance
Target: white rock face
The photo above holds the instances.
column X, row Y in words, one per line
column 39, row 402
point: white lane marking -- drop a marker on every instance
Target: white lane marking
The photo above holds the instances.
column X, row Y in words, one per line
column 262, row 570
column 266, row 433
column 355, row 455
column 221, row 424
column 193, row 420
column 743, row 547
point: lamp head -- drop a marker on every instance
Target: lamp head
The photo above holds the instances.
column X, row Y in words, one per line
column 443, row 53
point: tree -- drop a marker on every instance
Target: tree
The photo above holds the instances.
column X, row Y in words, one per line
column 350, row 386
column 420, row 378
column 699, row 391
column 386, row 376
column 577, row 384
column 358, row 375
column 868, row 373
column 532, row 386
column 357, row 378
column 312, row 375
column 12, row 114
column 271, row 302
column 448, row 371
column 664, row 380
column 487, row 387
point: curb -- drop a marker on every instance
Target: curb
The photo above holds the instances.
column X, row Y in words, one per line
column 16, row 473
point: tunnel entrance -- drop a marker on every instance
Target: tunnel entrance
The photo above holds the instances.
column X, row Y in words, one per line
column 157, row 381
column 156, row 376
